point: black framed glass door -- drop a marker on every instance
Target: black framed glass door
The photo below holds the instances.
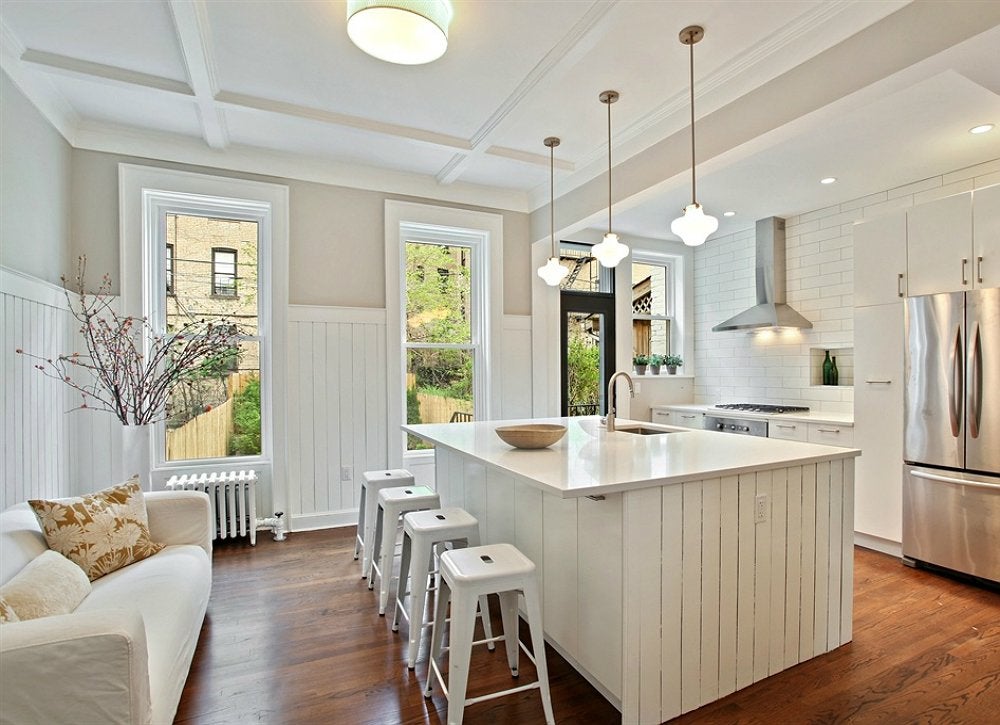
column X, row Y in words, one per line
column 587, row 326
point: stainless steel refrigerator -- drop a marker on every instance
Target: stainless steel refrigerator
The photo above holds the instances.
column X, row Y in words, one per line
column 951, row 447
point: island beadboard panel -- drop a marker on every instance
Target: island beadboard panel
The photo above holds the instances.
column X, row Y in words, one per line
column 671, row 597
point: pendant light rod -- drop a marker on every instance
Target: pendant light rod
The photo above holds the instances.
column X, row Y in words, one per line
column 552, row 142
column 607, row 98
column 689, row 36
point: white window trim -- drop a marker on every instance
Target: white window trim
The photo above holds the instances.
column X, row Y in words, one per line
column 138, row 185
column 421, row 222
column 671, row 265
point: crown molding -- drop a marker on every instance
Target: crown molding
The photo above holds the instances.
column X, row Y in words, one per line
column 142, row 143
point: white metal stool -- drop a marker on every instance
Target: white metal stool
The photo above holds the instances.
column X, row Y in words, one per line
column 422, row 532
column 393, row 503
column 371, row 483
column 467, row 574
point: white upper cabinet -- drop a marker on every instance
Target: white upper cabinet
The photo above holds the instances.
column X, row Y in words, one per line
column 880, row 259
column 986, row 233
column 939, row 246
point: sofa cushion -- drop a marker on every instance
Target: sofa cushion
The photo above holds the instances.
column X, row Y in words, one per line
column 170, row 591
column 102, row 532
column 51, row 584
column 7, row 613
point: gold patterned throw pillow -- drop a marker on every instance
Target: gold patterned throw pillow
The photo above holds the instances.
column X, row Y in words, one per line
column 101, row 532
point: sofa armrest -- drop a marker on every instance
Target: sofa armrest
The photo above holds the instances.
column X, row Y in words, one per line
column 180, row 517
column 79, row 667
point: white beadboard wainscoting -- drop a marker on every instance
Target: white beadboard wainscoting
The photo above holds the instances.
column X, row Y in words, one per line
column 49, row 450
column 336, row 410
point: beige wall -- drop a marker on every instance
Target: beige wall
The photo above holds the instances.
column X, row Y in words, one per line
column 34, row 189
column 336, row 247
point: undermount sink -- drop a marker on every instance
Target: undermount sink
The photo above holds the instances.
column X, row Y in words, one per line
column 644, row 431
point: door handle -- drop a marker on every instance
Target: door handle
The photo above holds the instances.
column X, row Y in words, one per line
column 899, row 284
column 965, row 263
column 975, row 403
column 878, row 382
column 979, row 270
column 927, row 476
column 955, row 389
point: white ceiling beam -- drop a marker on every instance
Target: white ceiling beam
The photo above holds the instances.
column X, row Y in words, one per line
column 100, row 73
column 195, row 38
column 567, row 51
column 529, row 158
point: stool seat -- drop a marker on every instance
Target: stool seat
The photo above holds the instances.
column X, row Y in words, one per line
column 392, row 503
column 371, row 483
column 466, row 575
column 423, row 532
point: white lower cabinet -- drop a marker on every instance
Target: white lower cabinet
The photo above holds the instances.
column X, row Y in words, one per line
column 664, row 417
column 878, row 419
column 831, row 434
column 788, row 430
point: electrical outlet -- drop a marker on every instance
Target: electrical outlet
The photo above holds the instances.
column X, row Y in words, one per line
column 346, row 473
column 638, row 387
column 760, row 510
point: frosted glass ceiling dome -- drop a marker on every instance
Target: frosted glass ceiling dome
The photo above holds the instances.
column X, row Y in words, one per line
column 404, row 32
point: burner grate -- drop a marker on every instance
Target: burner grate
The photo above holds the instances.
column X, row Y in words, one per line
column 763, row 408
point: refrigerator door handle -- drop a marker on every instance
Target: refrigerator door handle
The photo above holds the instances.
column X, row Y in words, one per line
column 957, row 481
column 975, row 402
column 955, row 389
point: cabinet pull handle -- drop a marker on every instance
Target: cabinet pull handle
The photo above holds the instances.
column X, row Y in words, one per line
column 688, row 416
column 965, row 262
column 878, row 382
column 979, row 273
column 784, row 425
column 596, row 498
column 828, row 430
column 899, row 285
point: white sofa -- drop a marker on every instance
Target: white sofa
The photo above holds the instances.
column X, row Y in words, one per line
column 123, row 655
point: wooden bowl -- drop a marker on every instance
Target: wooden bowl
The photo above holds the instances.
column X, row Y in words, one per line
column 531, row 435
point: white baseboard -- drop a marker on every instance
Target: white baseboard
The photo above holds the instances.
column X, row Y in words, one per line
column 876, row 543
column 323, row 520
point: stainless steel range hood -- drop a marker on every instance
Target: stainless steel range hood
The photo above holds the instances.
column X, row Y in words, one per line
column 770, row 310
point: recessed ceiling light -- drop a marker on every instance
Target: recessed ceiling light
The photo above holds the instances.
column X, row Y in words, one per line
column 728, row 213
column 981, row 129
column 828, row 180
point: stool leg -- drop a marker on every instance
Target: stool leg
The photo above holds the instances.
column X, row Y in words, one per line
column 463, row 622
column 372, row 548
column 437, row 631
column 404, row 568
column 508, row 611
column 361, row 528
column 484, row 602
column 419, row 568
column 387, row 553
column 532, row 605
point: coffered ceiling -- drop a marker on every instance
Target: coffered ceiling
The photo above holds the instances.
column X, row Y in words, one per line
column 877, row 93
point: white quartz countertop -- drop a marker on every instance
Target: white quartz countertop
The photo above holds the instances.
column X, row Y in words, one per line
column 812, row 416
column 589, row 461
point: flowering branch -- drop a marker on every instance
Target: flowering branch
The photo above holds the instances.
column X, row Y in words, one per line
column 115, row 373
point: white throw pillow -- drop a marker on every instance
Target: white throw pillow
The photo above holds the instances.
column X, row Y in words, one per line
column 50, row 584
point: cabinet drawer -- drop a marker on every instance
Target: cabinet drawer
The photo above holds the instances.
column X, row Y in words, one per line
column 831, row 434
column 788, row 430
column 689, row 420
column 663, row 416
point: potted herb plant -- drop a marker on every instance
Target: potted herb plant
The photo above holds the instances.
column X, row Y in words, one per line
column 655, row 361
column 673, row 362
column 640, row 362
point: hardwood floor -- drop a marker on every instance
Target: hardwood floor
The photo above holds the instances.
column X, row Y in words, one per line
column 292, row 635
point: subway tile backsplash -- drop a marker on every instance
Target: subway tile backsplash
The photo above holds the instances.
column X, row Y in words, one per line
column 777, row 367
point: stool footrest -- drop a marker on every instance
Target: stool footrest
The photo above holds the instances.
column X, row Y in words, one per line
column 493, row 695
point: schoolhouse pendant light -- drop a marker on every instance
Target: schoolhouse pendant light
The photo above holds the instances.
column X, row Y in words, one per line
column 407, row 32
column 552, row 272
column 610, row 251
column 695, row 225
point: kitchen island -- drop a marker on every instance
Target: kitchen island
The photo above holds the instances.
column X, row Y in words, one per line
column 677, row 567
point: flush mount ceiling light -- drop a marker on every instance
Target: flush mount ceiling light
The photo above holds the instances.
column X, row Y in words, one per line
column 981, row 129
column 553, row 273
column 404, row 32
column 610, row 251
column 828, row 180
column 728, row 213
column 694, row 227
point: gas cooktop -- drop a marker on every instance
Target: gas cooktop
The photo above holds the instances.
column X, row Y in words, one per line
column 762, row 408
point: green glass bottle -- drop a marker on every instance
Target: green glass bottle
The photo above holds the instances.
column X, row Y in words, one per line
column 827, row 369
column 834, row 375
